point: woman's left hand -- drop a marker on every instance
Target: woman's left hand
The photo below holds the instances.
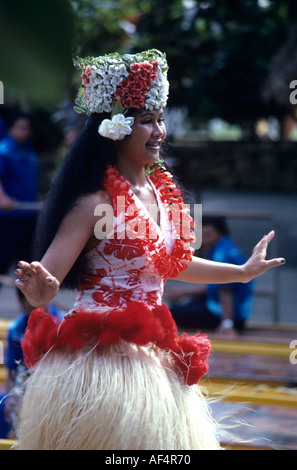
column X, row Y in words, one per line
column 257, row 263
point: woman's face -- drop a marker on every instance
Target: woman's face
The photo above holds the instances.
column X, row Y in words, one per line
column 210, row 236
column 143, row 144
column 21, row 130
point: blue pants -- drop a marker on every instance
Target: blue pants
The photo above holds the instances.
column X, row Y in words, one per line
column 193, row 313
column 4, row 427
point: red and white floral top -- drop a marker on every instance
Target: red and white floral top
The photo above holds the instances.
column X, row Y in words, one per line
column 136, row 257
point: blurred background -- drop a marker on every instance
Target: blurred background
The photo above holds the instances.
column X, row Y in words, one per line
column 231, row 124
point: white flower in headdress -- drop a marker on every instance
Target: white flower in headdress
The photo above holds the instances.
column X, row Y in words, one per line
column 117, row 127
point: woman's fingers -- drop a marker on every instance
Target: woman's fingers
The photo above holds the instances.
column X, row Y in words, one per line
column 273, row 263
column 262, row 245
column 38, row 268
column 20, row 284
column 36, row 283
column 22, row 274
column 53, row 282
column 262, row 250
column 270, row 236
column 26, row 270
column 257, row 263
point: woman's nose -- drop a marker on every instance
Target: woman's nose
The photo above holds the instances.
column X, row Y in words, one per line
column 158, row 129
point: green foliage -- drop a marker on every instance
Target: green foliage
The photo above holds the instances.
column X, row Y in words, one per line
column 219, row 53
column 36, row 42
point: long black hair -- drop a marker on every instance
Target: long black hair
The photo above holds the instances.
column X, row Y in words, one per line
column 80, row 173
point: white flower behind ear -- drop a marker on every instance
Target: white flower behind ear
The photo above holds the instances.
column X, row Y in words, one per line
column 117, row 127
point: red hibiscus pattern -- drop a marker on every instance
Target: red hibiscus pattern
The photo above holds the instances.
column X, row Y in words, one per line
column 126, row 269
column 124, row 249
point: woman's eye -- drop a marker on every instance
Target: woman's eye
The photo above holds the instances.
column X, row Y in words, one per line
column 150, row 121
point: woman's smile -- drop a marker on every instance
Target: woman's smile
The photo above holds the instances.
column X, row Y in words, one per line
column 144, row 143
column 154, row 145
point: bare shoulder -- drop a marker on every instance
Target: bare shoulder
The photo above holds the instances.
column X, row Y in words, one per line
column 92, row 200
column 88, row 214
column 82, row 216
column 86, row 205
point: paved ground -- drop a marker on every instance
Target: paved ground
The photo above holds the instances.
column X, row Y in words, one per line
column 250, row 216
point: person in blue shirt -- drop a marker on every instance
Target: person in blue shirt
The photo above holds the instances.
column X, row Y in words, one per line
column 18, row 186
column 14, row 357
column 16, row 330
column 220, row 307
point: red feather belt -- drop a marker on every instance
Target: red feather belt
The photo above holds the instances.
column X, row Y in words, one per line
column 136, row 324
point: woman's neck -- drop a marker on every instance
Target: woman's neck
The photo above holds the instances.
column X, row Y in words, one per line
column 134, row 174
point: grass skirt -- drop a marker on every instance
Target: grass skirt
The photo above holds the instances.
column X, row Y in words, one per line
column 121, row 397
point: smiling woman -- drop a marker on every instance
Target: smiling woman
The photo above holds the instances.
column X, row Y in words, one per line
column 115, row 374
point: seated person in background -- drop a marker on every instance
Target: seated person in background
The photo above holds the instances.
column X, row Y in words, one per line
column 19, row 177
column 225, row 307
column 14, row 358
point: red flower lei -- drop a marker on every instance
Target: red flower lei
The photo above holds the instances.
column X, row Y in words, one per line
column 166, row 265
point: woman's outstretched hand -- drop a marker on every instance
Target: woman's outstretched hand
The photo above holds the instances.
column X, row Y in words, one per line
column 257, row 263
column 36, row 283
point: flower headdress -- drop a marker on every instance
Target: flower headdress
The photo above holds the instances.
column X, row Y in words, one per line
column 115, row 83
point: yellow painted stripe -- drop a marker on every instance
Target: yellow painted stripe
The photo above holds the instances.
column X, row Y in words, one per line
column 257, row 349
column 227, row 446
column 3, row 328
column 6, row 444
column 243, row 381
column 3, row 375
column 259, row 394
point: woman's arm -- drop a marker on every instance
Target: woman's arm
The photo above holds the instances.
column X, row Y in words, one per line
column 211, row 272
column 40, row 282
